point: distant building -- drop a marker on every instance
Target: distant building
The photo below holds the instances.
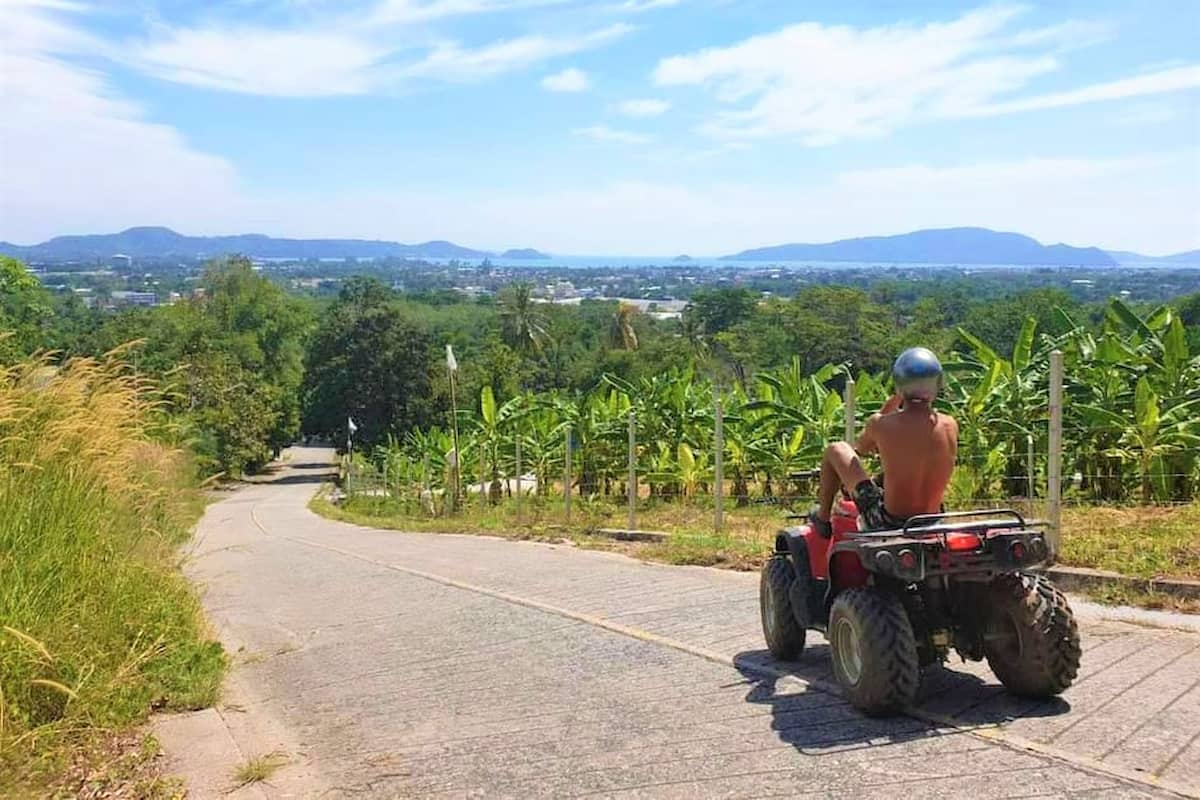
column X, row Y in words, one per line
column 120, row 261
column 122, row 298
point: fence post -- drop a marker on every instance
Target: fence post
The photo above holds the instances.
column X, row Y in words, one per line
column 849, row 399
column 519, row 506
column 718, row 461
column 567, row 478
column 1030, row 488
column 632, row 489
column 425, row 472
column 1054, row 456
column 485, row 494
column 387, row 490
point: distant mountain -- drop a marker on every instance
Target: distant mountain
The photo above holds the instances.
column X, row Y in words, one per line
column 683, row 258
column 152, row 242
column 1126, row 257
column 525, row 253
column 943, row 246
column 1123, row 256
column 1187, row 257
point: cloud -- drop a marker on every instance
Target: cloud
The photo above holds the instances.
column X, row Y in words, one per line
column 72, row 151
column 826, row 83
column 332, row 54
column 603, row 133
column 638, row 6
column 643, row 108
column 452, row 62
column 1154, row 83
column 264, row 62
column 569, row 80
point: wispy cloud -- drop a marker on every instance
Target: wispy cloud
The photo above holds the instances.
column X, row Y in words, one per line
column 1161, row 82
column 638, row 6
column 569, row 80
column 643, row 108
column 452, row 62
column 603, row 133
column 266, row 62
column 335, row 52
column 825, row 83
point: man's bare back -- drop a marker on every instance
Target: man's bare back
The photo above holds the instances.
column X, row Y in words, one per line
column 917, row 447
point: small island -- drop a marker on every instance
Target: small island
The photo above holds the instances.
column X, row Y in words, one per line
column 525, row 254
column 682, row 259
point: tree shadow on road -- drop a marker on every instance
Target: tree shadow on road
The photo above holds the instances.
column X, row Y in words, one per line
column 819, row 721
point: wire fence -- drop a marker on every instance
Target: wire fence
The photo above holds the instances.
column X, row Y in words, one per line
column 709, row 493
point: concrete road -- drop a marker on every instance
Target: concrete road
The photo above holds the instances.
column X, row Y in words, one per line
column 381, row 664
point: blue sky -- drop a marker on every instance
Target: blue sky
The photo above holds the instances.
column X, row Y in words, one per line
column 647, row 127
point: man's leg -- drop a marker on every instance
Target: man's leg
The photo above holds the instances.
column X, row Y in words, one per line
column 840, row 467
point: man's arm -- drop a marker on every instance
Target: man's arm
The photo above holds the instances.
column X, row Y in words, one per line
column 866, row 442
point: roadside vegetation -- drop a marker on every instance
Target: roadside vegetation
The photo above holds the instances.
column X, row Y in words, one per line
column 97, row 628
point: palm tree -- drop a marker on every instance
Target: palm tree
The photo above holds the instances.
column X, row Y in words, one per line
column 522, row 324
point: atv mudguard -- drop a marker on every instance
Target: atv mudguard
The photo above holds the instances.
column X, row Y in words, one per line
column 809, row 592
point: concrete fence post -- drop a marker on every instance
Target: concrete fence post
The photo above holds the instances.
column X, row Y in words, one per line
column 518, row 465
column 1054, row 456
column 718, row 461
column 631, row 523
column 1031, row 489
column 567, row 478
column 849, row 400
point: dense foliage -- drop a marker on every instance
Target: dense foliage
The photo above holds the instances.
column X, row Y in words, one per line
column 1131, row 427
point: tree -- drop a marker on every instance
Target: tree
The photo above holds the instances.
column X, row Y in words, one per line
column 25, row 311
column 369, row 362
column 522, row 324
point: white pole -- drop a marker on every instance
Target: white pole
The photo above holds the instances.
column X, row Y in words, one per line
column 1054, row 457
column 848, row 397
column 567, row 478
column 519, row 508
column 718, row 461
column 632, row 490
column 1030, row 489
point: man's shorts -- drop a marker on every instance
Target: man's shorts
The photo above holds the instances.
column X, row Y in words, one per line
column 873, row 514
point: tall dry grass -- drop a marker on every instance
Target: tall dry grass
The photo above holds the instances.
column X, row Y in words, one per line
column 97, row 627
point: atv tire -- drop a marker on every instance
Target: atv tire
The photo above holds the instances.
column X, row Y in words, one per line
column 784, row 634
column 874, row 651
column 1033, row 646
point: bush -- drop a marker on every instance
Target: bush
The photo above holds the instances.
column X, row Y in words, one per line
column 97, row 627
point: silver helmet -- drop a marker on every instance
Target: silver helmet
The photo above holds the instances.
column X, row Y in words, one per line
column 917, row 374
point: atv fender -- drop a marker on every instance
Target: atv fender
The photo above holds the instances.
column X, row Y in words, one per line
column 808, row 591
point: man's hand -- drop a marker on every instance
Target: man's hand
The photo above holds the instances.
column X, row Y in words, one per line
column 892, row 405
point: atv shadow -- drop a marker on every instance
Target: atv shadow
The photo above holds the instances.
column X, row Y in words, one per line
column 818, row 721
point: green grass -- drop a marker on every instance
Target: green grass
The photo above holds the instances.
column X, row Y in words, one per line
column 1151, row 542
column 97, row 626
column 259, row 769
column 747, row 537
column 1142, row 542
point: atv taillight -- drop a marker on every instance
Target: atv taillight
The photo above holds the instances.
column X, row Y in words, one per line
column 1018, row 551
column 908, row 560
column 963, row 542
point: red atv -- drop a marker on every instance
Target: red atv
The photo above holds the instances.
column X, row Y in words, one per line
column 893, row 602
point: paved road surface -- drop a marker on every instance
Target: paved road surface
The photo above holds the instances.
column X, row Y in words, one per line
column 412, row 665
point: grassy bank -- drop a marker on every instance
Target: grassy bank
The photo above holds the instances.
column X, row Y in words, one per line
column 97, row 627
column 1143, row 542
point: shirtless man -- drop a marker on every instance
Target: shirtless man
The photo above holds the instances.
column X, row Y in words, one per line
column 916, row 444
